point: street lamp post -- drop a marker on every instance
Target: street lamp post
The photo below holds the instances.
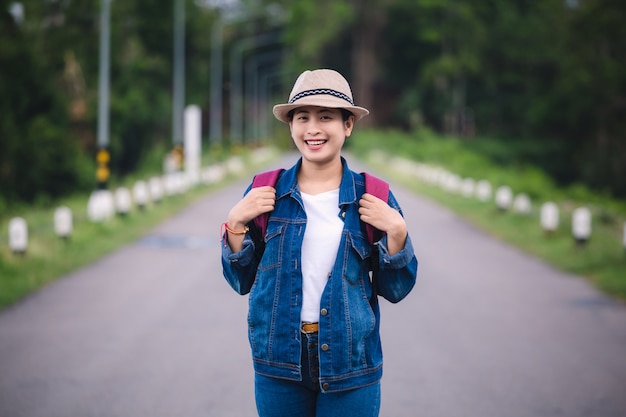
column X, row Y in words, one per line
column 236, row 119
column 232, row 16
column 266, row 85
column 233, row 13
column 255, row 66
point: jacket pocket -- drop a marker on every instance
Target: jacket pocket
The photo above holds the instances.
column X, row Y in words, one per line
column 356, row 258
column 272, row 254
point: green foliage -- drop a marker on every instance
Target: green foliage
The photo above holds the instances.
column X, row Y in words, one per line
column 509, row 70
column 49, row 89
column 515, row 70
column 314, row 27
column 38, row 158
column 602, row 260
column 460, row 157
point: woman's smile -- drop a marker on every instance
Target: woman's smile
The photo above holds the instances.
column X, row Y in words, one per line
column 315, row 143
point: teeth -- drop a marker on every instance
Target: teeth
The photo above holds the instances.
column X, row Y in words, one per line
column 315, row 142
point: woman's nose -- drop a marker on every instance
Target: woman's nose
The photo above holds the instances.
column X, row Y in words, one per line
column 313, row 128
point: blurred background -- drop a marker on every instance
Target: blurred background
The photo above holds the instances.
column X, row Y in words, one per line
column 539, row 83
column 525, row 98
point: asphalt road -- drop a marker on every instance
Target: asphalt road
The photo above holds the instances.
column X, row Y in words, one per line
column 154, row 330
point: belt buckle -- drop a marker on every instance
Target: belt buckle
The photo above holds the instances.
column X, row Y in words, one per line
column 309, row 328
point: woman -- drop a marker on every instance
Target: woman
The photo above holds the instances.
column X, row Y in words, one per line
column 313, row 312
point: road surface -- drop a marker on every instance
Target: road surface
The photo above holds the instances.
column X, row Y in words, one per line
column 154, row 330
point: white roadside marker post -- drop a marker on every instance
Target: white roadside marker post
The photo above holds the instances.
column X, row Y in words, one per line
column 504, row 198
column 140, row 194
column 522, row 204
column 483, row 190
column 63, row 222
column 467, row 187
column 155, row 186
column 123, row 201
column 549, row 217
column 18, row 235
column 581, row 225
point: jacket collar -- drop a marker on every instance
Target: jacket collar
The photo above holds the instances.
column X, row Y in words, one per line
column 288, row 183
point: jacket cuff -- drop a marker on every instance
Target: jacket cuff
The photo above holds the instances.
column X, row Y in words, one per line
column 398, row 260
column 241, row 258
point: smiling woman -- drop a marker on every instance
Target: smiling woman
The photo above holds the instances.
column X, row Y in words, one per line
column 312, row 262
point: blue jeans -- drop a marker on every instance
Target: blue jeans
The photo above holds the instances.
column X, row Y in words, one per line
column 283, row 398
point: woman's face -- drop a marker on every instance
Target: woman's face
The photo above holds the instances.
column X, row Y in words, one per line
column 319, row 132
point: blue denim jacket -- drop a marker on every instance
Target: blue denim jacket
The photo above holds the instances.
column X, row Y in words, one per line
column 350, row 351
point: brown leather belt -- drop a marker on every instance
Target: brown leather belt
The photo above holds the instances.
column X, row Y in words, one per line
column 309, row 327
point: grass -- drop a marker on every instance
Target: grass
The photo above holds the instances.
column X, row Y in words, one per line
column 602, row 260
column 49, row 257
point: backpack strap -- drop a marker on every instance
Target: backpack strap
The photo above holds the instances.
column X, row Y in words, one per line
column 265, row 178
column 373, row 185
column 378, row 188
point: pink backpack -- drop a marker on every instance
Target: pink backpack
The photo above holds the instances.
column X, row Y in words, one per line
column 373, row 185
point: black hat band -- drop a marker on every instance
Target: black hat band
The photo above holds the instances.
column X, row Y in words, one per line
column 315, row 92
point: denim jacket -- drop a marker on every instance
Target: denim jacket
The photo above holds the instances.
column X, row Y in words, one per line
column 269, row 269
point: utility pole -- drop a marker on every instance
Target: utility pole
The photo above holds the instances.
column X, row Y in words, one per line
column 103, row 156
column 179, row 82
column 216, row 81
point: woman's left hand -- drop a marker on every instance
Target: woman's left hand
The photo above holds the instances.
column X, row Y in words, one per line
column 378, row 213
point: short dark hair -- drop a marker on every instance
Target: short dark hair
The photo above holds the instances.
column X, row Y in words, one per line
column 345, row 114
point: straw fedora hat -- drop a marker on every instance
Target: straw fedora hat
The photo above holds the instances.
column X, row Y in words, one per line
column 322, row 87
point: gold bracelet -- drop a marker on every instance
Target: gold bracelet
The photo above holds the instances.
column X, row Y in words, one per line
column 233, row 232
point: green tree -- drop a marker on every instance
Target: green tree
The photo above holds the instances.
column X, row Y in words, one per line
column 547, row 79
column 589, row 94
column 343, row 35
column 37, row 158
column 434, row 47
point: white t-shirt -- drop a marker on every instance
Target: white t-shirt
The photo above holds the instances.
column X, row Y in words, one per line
column 319, row 249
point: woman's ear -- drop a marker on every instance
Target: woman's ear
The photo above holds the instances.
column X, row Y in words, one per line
column 349, row 125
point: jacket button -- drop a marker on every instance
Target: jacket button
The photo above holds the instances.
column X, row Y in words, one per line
column 324, row 347
column 325, row 386
column 343, row 214
column 323, row 312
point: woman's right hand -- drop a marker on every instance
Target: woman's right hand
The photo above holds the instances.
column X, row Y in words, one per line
column 257, row 201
